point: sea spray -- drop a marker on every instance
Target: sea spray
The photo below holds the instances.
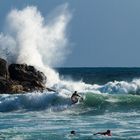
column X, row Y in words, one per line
column 31, row 39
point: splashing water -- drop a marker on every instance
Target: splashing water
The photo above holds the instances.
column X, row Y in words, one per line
column 32, row 40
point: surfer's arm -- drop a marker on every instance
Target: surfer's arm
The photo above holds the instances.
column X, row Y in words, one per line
column 79, row 96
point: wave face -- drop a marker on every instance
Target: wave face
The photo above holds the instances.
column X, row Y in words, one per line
column 112, row 96
column 58, row 102
column 32, row 101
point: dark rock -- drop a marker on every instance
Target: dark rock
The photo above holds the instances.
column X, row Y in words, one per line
column 20, row 78
column 8, row 86
column 15, row 88
column 3, row 69
column 4, row 85
column 22, row 72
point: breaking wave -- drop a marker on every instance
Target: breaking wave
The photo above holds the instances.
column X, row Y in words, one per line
column 42, row 42
column 115, row 95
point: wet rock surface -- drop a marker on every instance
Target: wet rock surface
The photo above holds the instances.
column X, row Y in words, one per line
column 20, row 78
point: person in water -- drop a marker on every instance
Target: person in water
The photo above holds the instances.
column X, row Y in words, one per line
column 73, row 132
column 107, row 133
column 75, row 97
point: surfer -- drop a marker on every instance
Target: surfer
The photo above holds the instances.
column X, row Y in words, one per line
column 107, row 133
column 75, row 97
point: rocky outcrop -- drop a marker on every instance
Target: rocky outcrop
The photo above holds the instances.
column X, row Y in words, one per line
column 4, row 69
column 19, row 78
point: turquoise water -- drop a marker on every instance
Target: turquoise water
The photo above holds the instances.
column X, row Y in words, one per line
column 110, row 103
column 44, row 125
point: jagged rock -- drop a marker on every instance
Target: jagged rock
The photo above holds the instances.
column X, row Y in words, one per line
column 15, row 88
column 4, row 85
column 20, row 78
column 24, row 73
column 8, row 86
column 3, row 69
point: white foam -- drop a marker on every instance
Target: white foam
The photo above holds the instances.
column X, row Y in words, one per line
column 120, row 87
column 34, row 40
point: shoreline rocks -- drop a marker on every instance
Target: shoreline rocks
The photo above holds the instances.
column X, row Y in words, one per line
column 20, row 78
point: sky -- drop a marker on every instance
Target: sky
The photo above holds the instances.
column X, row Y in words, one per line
column 101, row 33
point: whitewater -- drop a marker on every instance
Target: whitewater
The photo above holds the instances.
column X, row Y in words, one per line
column 111, row 96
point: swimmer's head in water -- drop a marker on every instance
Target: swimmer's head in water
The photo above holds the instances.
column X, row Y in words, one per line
column 73, row 132
column 108, row 131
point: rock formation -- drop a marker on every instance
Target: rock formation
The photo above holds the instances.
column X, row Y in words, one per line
column 19, row 78
column 3, row 69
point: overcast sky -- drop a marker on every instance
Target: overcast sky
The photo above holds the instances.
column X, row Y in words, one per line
column 102, row 33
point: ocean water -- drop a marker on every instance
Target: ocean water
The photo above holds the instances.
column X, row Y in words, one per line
column 111, row 101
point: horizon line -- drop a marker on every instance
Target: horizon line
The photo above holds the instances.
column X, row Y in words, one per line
column 97, row 67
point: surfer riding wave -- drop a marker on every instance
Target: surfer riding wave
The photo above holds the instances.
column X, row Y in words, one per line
column 75, row 97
